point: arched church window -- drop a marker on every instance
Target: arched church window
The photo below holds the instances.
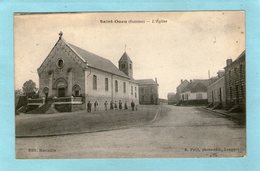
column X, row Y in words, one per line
column 106, row 84
column 116, row 85
column 94, row 82
column 124, row 87
column 76, row 90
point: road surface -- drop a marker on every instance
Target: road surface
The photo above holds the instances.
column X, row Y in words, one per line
column 178, row 132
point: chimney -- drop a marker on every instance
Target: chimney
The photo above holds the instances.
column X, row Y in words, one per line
column 181, row 80
column 156, row 80
column 229, row 61
column 190, row 81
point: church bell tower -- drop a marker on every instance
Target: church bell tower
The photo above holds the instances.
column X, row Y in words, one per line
column 125, row 65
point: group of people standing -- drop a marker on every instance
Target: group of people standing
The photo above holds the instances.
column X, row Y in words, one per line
column 113, row 105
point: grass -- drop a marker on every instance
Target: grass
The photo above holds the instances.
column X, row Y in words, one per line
column 81, row 121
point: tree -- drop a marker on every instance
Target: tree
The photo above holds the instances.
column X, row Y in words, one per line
column 18, row 92
column 29, row 88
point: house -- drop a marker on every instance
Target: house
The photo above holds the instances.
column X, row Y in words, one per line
column 179, row 89
column 195, row 93
column 72, row 77
column 148, row 91
column 217, row 92
column 235, row 83
column 172, row 98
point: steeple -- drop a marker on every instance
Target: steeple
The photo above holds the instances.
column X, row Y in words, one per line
column 125, row 64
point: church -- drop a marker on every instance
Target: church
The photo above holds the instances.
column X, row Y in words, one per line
column 71, row 77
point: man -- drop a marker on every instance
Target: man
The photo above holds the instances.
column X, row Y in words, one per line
column 95, row 105
column 115, row 105
column 133, row 105
column 120, row 105
column 89, row 106
column 126, row 105
column 111, row 105
column 105, row 105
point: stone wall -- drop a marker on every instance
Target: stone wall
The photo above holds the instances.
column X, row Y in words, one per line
column 235, row 83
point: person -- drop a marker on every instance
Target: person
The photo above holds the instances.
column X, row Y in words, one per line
column 105, row 105
column 120, row 105
column 126, row 105
column 95, row 105
column 115, row 106
column 133, row 105
column 111, row 105
column 89, row 106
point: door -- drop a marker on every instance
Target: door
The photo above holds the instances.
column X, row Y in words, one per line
column 237, row 94
column 61, row 92
column 220, row 95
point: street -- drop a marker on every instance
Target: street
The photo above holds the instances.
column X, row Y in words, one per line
column 176, row 132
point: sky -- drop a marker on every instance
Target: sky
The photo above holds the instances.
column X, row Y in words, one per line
column 184, row 45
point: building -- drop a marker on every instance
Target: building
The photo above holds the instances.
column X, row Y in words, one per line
column 148, row 91
column 195, row 93
column 72, row 77
column 235, row 83
column 172, row 98
column 217, row 92
column 179, row 89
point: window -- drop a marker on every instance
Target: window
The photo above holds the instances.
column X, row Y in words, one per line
column 135, row 93
column 235, row 71
column 230, row 92
column 60, row 63
column 242, row 91
column 143, row 98
column 124, row 87
column 241, row 71
column 122, row 66
column 130, row 66
column 186, row 97
column 198, row 96
column 94, row 82
column 142, row 90
column 131, row 90
column 106, row 84
column 116, row 85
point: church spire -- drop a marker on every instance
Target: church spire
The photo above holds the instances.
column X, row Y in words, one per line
column 125, row 64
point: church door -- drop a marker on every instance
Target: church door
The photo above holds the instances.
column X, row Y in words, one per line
column 61, row 92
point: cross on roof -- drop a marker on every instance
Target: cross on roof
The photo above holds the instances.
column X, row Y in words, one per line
column 60, row 34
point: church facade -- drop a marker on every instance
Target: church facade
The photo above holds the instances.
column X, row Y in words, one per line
column 73, row 77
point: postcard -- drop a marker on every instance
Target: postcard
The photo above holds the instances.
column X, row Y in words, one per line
column 130, row 85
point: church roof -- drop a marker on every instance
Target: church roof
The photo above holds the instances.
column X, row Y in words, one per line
column 97, row 62
column 125, row 57
column 146, row 81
